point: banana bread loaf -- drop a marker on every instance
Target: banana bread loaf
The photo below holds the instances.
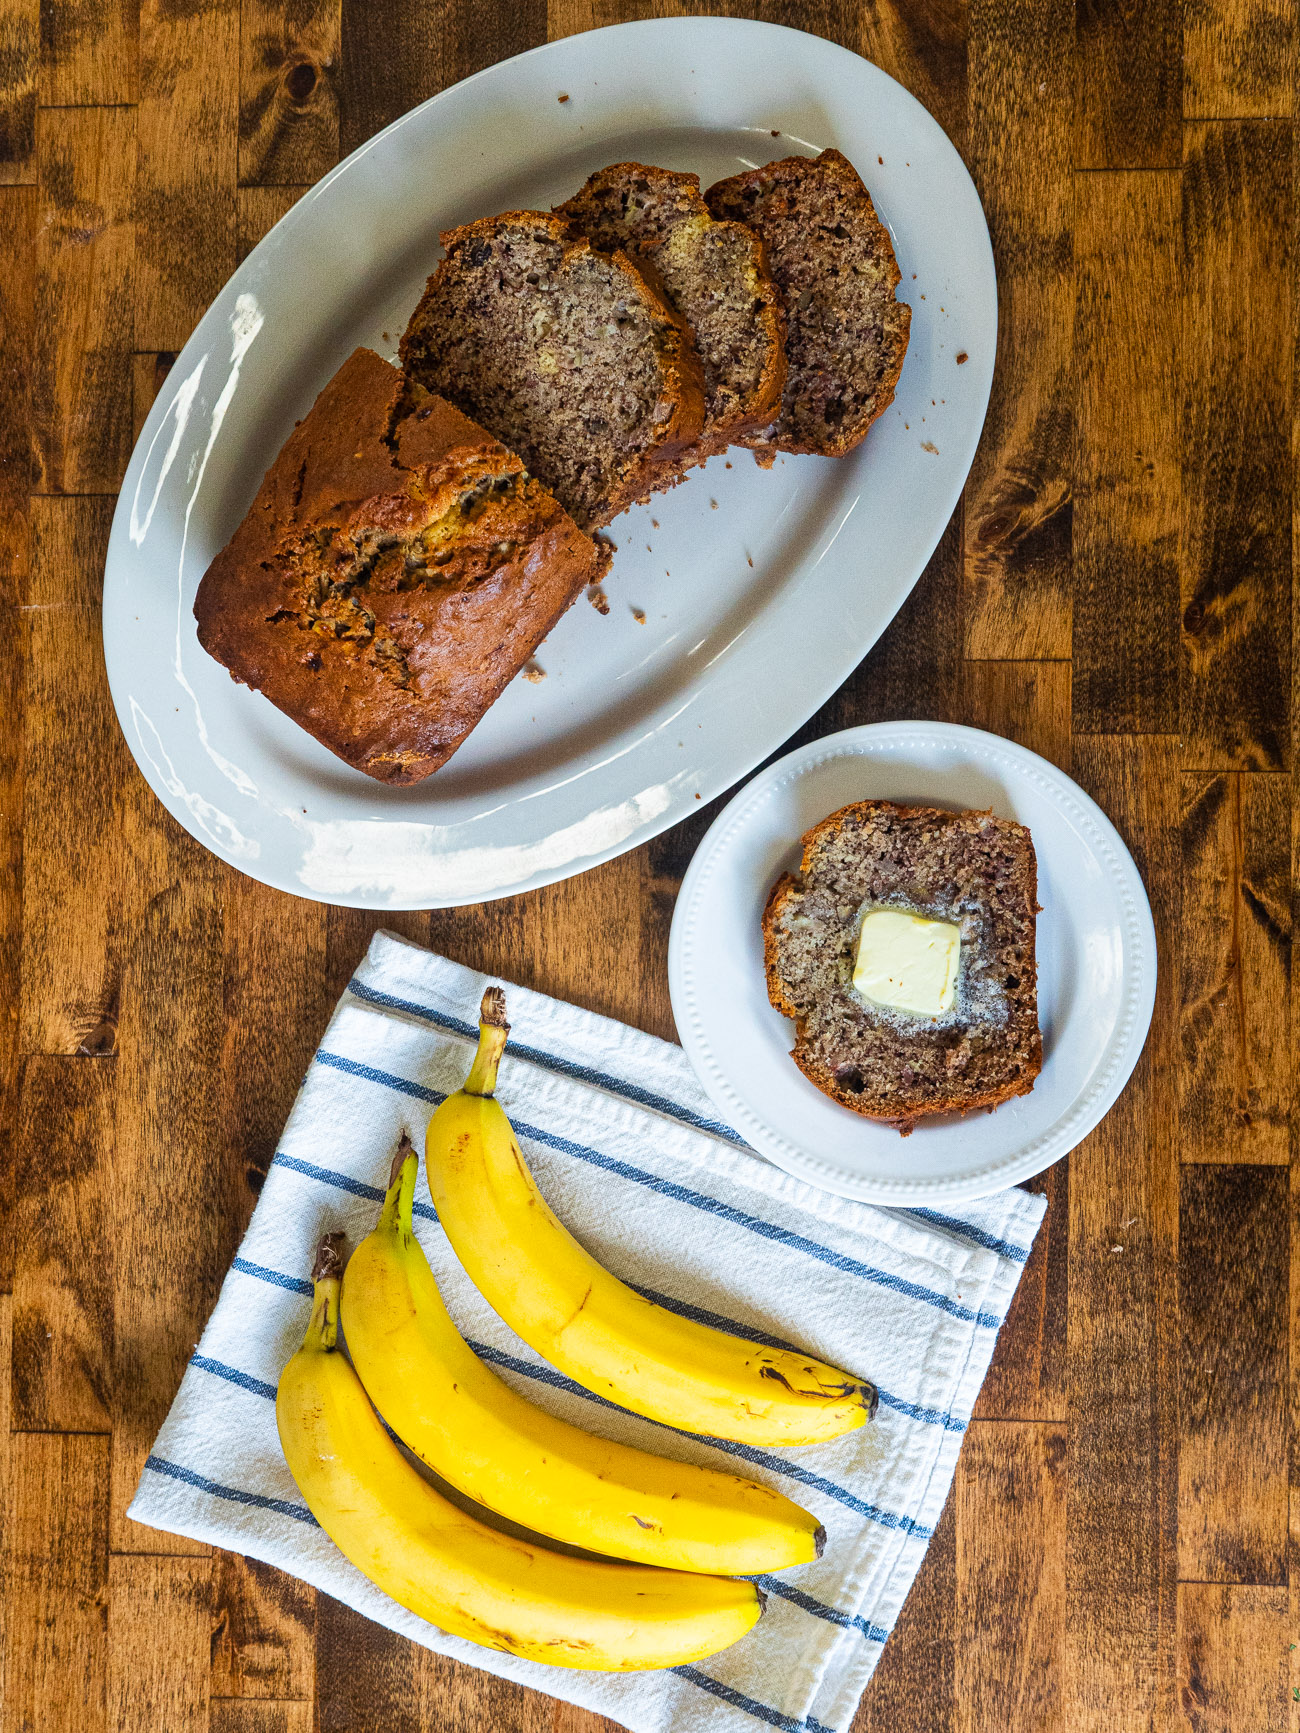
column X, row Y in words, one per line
column 970, row 870
column 570, row 356
column 397, row 567
column 834, row 264
column 715, row 275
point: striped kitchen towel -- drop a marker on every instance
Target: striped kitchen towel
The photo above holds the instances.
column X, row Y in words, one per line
column 630, row 1153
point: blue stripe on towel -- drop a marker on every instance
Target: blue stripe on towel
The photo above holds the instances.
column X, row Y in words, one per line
column 697, row 1200
column 738, row 1700
column 233, row 1375
column 295, row 1284
column 968, row 1231
column 552, row 1062
column 174, row 1471
column 796, row 1597
column 331, row 1176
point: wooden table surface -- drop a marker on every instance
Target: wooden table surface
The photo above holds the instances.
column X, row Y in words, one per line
column 1114, row 591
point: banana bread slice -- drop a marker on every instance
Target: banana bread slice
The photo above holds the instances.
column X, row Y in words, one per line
column 568, row 355
column 396, row 569
column 834, row 264
column 715, row 275
column 967, row 868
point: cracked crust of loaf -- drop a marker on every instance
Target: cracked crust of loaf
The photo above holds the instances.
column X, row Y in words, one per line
column 395, row 571
column 496, row 374
column 798, row 249
column 659, row 217
column 790, row 886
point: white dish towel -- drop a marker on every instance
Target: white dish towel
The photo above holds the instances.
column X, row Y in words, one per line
column 628, row 1150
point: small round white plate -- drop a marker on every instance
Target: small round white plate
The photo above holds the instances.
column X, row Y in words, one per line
column 736, row 577
column 1096, row 965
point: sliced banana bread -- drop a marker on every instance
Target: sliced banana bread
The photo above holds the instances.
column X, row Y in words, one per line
column 834, row 264
column 397, row 567
column 715, row 275
column 568, row 355
column 971, row 870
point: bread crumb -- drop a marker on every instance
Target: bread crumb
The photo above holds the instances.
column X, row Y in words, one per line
column 713, row 505
column 750, row 558
column 880, row 159
column 928, row 445
column 654, row 523
column 775, row 133
column 962, row 358
column 563, row 96
column 533, row 672
column 698, row 797
column 638, row 614
column 598, row 599
column 764, row 456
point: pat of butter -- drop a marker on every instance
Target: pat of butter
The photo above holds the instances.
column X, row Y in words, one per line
column 907, row 963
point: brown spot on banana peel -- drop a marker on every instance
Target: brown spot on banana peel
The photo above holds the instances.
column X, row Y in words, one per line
column 641, row 1522
column 581, row 1303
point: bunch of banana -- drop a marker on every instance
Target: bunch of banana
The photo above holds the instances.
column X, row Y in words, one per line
column 577, row 1315
column 498, row 1448
column 447, row 1567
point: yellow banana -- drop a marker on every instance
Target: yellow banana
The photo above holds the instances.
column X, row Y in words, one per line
column 555, row 1295
column 496, row 1447
column 449, row 1568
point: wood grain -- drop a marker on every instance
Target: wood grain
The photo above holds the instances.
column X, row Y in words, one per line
column 19, row 63
column 56, row 1585
column 71, row 975
column 64, row 1248
column 1128, row 104
column 1128, row 483
column 288, row 90
column 1232, row 1460
column 158, row 1645
column 259, row 210
column 17, row 330
column 1121, row 1554
column 922, row 45
column 1239, row 59
column 89, row 53
column 1018, row 498
column 365, row 1675
column 1236, row 967
column 1010, row 1585
column 914, row 1685
column 1236, row 537
column 248, row 1715
column 264, row 1632
column 147, row 375
column 1233, row 1654
column 81, row 366
column 187, row 165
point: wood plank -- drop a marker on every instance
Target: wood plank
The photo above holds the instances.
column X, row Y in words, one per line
column 70, row 921
column 81, row 368
column 348, row 933
column 248, row 1715
column 259, row 210
column 1233, row 1655
column 1236, row 537
column 1017, row 599
column 1128, row 481
column 1239, row 58
column 147, row 375
column 365, row 1675
column 392, row 60
column 264, row 1631
column 454, row 1698
column 1010, row 1577
column 188, row 164
column 64, row 1250
column 1236, row 1058
column 89, row 53
column 20, row 52
column 914, row 1685
column 1232, row 1460
column 1128, row 98
column 288, row 90
column 1027, row 1379
column 6, row 1493
column 158, row 1626
column 1028, row 702
column 55, row 1582
column 1120, row 1533
column 17, row 447
column 180, row 1204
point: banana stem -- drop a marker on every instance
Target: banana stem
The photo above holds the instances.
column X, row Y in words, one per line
column 327, row 1275
column 492, row 1033
column 395, row 1217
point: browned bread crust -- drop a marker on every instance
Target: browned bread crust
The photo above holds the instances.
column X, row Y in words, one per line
column 714, row 273
column 833, row 261
column 396, row 569
column 971, row 868
column 572, row 357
